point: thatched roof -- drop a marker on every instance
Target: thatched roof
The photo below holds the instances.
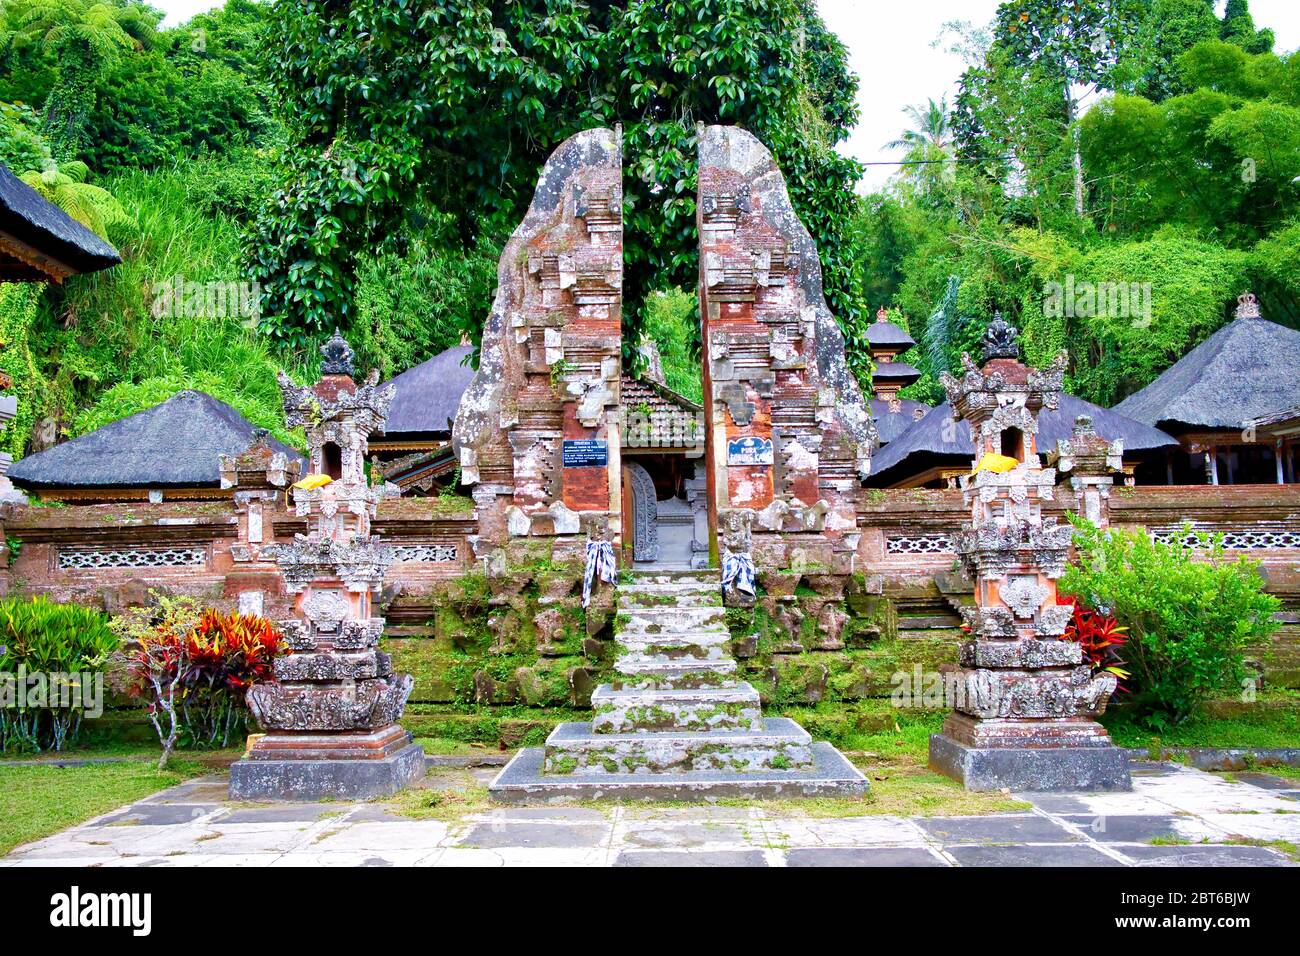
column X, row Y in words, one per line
column 1249, row 369
column 172, row 444
column 891, row 424
column 882, row 332
column 46, row 243
column 426, row 397
column 924, row 445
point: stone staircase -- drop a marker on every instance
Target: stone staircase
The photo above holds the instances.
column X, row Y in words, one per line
column 676, row 723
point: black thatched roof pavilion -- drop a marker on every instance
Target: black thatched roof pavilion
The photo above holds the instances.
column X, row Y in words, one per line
column 937, row 449
column 415, row 450
column 1215, row 396
column 39, row 242
column 171, row 448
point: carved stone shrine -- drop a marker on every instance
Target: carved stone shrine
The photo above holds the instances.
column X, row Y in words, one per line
column 1025, row 703
column 331, row 713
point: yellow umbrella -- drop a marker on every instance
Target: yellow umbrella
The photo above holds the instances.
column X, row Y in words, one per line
column 999, row 464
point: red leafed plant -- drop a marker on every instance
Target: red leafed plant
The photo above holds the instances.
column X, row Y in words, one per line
column 1100, row 636
column 194, row 666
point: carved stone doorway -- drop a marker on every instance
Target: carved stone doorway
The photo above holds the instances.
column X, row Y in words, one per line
column 665, row 520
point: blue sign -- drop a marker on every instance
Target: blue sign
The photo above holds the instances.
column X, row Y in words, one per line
column 586, row 453
column 749, row 451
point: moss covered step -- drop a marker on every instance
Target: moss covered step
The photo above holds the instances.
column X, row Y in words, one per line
column 701, row 641
column 666, row 618
column 666, row 595
column 704, row 577
column 627, row 710
column 780, row 745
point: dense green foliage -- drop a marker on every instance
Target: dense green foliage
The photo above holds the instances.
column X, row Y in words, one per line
column 54, row 650
column 364, row 162
column 456, row 106
column 1189, row 611
column 671, row 323
column 1172, row 177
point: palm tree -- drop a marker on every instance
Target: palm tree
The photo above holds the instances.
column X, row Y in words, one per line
column 83, row 38
column 929, row 144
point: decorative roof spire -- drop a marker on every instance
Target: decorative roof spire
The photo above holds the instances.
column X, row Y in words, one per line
column 1000, row 339
column 338, row 356
column 882, row 315
column 1247, row 306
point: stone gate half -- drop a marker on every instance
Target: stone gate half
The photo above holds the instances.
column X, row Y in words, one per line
column 790, row 437
column 536, row 433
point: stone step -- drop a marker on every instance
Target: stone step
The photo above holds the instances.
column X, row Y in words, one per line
column 639, row 642
column 674, row 576
column 688, row 586
column 780, row 745
column 627, row 710
column 682, row 672
column 670, row 655
column 636, row 601
column 654, row 620
column 523, row 783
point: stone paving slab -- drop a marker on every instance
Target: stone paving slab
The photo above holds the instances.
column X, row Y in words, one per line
column 1194, row 819
column 865, row 856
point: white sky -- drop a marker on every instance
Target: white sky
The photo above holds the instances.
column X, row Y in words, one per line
column 890, row 48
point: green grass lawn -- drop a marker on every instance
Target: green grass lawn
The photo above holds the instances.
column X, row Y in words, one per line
column 1262, row 727
column 36, row 801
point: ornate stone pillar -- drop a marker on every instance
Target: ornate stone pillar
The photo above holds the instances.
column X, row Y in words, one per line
column 330, row 715
column 1024, row 702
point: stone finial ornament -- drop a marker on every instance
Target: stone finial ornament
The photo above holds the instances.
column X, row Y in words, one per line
column 338, row 355
column 1001, row 339
column 1248, row 306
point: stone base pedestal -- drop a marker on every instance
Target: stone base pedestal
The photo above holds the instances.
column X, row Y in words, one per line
column 351, row 772
column 1101, row 766
column 829, row 774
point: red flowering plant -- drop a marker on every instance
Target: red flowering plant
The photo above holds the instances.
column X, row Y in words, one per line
column 1101, row 638
column 194, row 667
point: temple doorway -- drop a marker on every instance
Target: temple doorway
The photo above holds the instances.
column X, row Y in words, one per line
column 664, row 511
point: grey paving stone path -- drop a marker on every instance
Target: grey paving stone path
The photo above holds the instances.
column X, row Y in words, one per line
column 1175, row 816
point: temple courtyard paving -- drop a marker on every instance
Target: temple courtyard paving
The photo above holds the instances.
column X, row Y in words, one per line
column 1175, row 816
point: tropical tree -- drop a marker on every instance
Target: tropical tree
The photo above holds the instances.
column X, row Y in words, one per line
column 82, row 38
column 928, row 143
column 396, row 108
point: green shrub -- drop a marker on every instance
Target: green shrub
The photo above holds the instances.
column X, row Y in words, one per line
column 63, row 644
column 1189, row 610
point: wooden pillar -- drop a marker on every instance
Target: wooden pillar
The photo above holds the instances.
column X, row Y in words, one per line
column 1169, row 467
column 1277, row 460
column 1212, row 465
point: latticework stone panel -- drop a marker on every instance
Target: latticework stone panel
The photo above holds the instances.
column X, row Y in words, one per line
column 79, row 559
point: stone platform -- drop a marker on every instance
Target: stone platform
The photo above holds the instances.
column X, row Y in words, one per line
column 1031, row 769
column 828, row 774
column 675, row 723
column 302, row 780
